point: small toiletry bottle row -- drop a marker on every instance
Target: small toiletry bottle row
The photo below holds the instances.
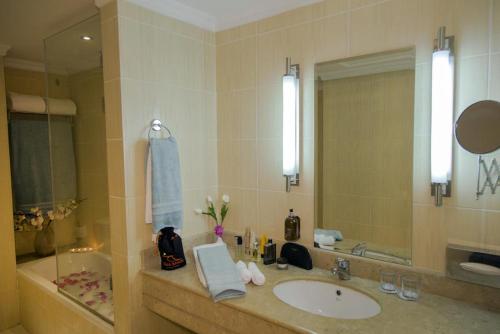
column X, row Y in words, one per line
column 257, row 249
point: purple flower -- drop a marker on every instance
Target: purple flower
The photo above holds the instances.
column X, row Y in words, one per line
column 218, row 230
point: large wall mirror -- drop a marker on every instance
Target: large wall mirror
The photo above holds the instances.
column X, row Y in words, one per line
column 364, row 157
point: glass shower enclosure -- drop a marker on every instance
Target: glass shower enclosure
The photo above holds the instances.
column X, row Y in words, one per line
column 75, row 99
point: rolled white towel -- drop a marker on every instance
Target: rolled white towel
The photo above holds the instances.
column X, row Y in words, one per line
column 258, row 277
column 245, row 274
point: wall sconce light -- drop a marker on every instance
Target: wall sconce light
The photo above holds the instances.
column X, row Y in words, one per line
column 291, row 124
column 442, row 116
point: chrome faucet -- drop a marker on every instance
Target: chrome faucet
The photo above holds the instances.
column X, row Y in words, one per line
column 359, row 249
column 342, row 270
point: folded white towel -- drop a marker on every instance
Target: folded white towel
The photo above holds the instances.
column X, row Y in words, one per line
column 245, row 274
column 258, row 277
column 326, row 240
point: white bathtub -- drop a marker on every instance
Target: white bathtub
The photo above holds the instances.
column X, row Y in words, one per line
column 43, row 309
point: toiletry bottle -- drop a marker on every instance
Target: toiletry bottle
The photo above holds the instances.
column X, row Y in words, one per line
column 292, row 227
column 247, row 241
column 251, row 244
column 238, row 252
column 255, row 251
column 263, row 242
column 269, row 252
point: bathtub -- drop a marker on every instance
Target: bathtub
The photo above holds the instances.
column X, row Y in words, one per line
column 46, row 310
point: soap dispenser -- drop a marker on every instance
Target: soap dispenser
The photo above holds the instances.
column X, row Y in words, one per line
column 292, row 226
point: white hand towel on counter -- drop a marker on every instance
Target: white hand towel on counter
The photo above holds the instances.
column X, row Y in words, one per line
column 258, row 277
column 245, row 274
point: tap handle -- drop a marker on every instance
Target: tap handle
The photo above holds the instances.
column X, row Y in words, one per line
column 342, row 263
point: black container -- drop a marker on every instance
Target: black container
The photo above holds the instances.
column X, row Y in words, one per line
column 297, row 255
column 171, row 251
column 269, row 254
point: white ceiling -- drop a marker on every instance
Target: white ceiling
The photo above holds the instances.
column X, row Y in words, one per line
column 67, row 53
column 221, row 14
column 24, row 24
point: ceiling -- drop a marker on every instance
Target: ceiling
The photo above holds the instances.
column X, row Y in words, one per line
column 221, row 14
column 67, row 53
column 24, row 24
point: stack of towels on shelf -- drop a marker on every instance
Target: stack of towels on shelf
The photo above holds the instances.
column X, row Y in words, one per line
column 223, row 278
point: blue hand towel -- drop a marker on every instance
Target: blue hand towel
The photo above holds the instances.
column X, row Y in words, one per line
column 223, row 279
column 165, row 184
column 30, row 157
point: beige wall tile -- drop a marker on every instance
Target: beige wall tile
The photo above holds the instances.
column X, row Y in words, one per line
column 114, row 123
column 496, row 26
column 471, row 83
column 167, row 71
column 329, row 8
column 471, row 27
column 9, row 312
column 292, row 17
column 330, row 37
column 26, row 82
column 108, row 11
column 110, row 51
column 429, row 237
column 494, row 92
column 363, row 3
column 389, row 25
column 116, row 173
column 233, row 34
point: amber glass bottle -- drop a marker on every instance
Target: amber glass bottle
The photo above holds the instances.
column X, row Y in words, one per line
column 292, row 226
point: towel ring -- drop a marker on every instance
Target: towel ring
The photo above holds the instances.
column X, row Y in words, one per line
column 157, row 126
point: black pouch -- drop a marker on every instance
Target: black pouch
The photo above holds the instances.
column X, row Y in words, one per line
column 171, row 251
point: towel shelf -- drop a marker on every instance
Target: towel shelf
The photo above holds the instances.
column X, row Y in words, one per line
column 157, row 126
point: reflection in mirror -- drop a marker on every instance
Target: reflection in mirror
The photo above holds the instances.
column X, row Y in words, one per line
column 478, row 127
column 364, row 160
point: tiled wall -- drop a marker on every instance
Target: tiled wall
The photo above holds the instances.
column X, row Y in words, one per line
column 154, row 67
column 87, row 91
column 43, row 312
column 366, row 149
column 250, row 63
column 9, row 309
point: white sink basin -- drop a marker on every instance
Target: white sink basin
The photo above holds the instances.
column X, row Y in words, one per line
column 327, row 299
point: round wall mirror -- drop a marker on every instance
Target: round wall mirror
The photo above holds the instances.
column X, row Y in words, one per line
column 478, row 128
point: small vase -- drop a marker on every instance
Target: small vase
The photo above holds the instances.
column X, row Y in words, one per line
column 218, row 231
column 45, row 241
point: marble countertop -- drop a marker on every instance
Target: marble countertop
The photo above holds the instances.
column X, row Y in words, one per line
column 430, row 314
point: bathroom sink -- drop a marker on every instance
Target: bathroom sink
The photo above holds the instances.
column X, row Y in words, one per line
column 327, row 299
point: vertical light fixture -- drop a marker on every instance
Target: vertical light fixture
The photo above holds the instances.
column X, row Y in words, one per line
column 291, row 124
column 442, row 116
